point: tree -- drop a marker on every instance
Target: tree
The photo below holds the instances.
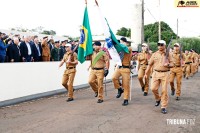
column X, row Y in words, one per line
column 124, row 32
column 51, row 32
column 20, row 29
column 189, row 43
column 151, row 32
column 38, row 29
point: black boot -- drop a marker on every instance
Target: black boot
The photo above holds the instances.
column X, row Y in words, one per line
column 125, row 103
column 145, row 93
column 172, row 92
column 143, row 89
column 157, row 103
column 96, row 94
column 120, row 91
column 99, row 101
column 177, row 98
column 69, row 99
column 164, row 111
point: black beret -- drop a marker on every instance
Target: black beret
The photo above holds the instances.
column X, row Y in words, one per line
column 97, row 43
column 123, row 39
column 62, row 41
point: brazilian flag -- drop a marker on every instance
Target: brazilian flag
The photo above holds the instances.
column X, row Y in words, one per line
column 85, row 46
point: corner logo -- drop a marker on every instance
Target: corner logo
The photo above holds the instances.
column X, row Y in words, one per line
column 187, row 3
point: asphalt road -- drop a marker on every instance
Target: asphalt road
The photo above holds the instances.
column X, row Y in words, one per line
column 84, row 115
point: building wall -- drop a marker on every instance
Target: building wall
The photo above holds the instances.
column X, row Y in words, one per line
column 23, row 79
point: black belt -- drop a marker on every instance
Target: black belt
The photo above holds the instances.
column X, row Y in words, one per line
column 97, row 68
column 143, row 64
column 161, row 71
column 177, row 66
column 188, row 62
column 70, row 67
column 123, row 67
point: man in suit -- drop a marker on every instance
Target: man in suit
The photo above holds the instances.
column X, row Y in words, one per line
column 51, row 44
column 3, row 47
column 62, row 50
column 37, row 49
column 26, row 50
column 14, row 52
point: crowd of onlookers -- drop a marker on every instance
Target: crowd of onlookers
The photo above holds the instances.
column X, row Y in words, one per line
column 14, row 48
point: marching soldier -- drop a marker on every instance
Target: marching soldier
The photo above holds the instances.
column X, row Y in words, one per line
column 162, row 63
column 194, row 67
column 196, row 61
column 99, row 69
column 123, row 71
column 176, row 71
column 143, row 58
column 187, row 66
column 68, row 77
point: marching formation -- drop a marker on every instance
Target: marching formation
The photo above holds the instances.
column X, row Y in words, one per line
column 164, row 66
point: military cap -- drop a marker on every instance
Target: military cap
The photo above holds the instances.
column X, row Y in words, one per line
column 45, row 37
column 97, row 43
column 123, row 39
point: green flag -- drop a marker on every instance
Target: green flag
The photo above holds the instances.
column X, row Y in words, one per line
column 85, row 46
column 118, row 46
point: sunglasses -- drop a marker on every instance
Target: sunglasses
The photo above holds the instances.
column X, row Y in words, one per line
column 175, row 46
column 160, row 44
column 143, row 46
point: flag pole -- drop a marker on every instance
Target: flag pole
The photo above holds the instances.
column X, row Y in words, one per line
column 105, row 86
column 131, row 84
column 96, row 3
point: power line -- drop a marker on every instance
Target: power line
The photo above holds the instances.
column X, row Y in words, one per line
column 151, row 14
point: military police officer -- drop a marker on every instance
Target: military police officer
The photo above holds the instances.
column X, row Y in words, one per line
column 143, row 58
column 99, row 68
column 187, row 58
column 123, row 71
column 68, row 77
column 176, row 71
column 161, row 66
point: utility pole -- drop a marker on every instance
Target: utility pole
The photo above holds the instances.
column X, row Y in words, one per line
column 142, row 28
column 159, row 24
column 177, row 31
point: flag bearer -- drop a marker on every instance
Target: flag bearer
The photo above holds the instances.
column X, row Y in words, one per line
column 123, row 71
column 99, row 68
